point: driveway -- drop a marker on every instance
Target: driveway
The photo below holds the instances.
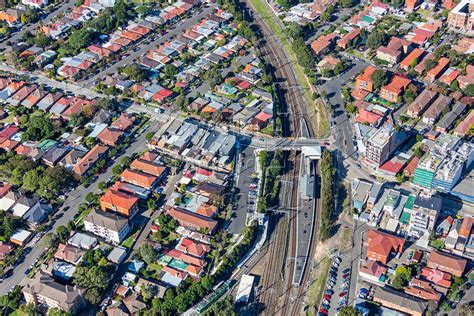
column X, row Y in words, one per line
column 69, row 209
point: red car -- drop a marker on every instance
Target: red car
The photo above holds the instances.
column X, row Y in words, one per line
column 323, row 311
column 327, row 297
column 342, row 294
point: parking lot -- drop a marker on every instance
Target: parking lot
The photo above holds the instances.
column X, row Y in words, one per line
column 337, row 287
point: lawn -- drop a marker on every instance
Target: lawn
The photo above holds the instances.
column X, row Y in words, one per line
column 130, row 239
column 272, row 22
column 318, row 285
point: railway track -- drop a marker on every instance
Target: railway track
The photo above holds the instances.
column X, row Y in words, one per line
column 301, row 290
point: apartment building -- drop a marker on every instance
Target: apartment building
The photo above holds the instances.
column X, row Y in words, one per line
column 461, row 17
column 111, row 227
column 380, row 143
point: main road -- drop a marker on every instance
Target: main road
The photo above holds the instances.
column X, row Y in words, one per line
column 68, row 210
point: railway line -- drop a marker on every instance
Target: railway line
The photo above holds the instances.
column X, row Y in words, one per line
column 278, row 293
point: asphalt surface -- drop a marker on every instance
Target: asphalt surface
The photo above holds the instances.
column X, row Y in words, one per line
column 16, row 38
column 340, row 121
column 177, row 29
column 69, row 209
column 243, row 180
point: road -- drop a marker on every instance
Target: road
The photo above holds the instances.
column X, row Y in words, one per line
column 39, row 79
column 178, row 29
column 340, row 122
column 16, row 38
column 69, row 209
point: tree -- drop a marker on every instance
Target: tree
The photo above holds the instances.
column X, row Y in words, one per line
column 375, row 39
column 107, row 104
column 430, row 64
column 469, row 90
column 49, row 240
column 92, row 198
column 148, row 253
column 39, row 128
column 31, row 180
column 62, row 232
column 146, row 291
column 348, row 311
column 346, row 3
column 170, row 71
column 397, row 3
column 379, row 78
column 398, row 283
column 57, row 312
column 149, row 136
column 294, row 30
column 151, row 204
column 143, row 10
column 42, row 40
column 135, row 72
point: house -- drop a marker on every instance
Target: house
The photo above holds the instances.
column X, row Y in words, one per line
column 422, row 289
column 117, row 255
column 447, row 263
column 21, row 94
column 373, row 119
column 72, row 158
column 69, row 253
column 449, row 76
column 88, row 161
column 421, row 103
column 448, row 120
column 21, row 237
column 467, row 79
column 110, row 137
column 44, row 290
column 48, row 100
column 156, row 287
column 393, row 91
column 372, row 271
column 5, row 249
column 394, row 50
column 193, row 221
column 348, row 38
column 193, row 248
column 328, row 62
column 444, row 227
column 23, row 205
column 38, row 213
column 119, row 202
column 399, row 301
column 113, row 228
column 83, row 241
column 139, row 178
column 124, row 122
column 33, row 98
column 463, row 128
column 54, row 155
column 382, row 246
column 438, row 277
column 435, row 72
column 364, row 80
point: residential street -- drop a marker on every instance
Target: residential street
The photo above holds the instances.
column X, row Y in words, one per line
column 173, row 32
column 16, row 38
column 69, row 209
column 64, row 86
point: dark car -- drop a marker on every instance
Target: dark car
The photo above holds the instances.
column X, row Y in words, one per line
column 342, row 294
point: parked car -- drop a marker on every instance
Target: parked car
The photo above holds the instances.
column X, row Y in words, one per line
column 342, row 294
column 327, row 297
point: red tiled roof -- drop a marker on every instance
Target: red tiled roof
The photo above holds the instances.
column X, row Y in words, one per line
column 148, row 167
column 109, row 136
column 447, row 263
column 118, row 200
column 138, row 178
column 194, row 248
column 365, row 116
column 382, row 244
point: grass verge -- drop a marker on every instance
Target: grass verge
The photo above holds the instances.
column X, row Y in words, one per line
column 316, row 289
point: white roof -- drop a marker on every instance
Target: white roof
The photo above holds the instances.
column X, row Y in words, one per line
column 21, row 235
column 245, row 289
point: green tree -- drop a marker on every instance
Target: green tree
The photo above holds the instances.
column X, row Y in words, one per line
column 31, row 180
column 39, row 128
column 348, row 311
column 293, row 30
column 430, row 64
column 42, row 40
column 148, row 253
column 469, row 90
column 170, row 71
column 346, row 3
column 375, row 39
column 379, row 78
